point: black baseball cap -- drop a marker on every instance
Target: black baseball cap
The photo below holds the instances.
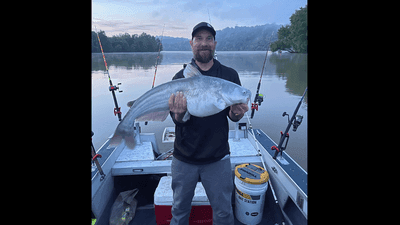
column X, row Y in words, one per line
column 203, row 25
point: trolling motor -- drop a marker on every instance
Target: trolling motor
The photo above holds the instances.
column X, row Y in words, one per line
column 295, row 121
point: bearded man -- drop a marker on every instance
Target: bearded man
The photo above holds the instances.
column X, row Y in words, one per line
column 201, row 148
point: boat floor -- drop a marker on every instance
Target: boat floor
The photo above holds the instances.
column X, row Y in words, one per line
column 145, row 214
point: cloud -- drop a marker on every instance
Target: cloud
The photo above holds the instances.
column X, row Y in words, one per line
column 177, row 28
column 179, row 17
column 194, row 6
column 155, row 14
column 201, row 5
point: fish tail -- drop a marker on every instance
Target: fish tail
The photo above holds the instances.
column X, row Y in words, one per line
column 129, row 140
column 115, row 140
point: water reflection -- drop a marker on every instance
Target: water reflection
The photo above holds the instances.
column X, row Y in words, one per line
column 137, row 60
column 294, row 68
column 289, row 67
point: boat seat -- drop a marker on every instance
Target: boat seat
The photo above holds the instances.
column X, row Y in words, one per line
column 139, row 153
column 141, row 159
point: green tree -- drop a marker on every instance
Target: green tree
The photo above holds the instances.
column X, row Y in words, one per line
column 283, row 34
column 95, row 43
column 294, row 35
column 105, row 42
column 299, row 30
column 125, row 43
column 283, row 39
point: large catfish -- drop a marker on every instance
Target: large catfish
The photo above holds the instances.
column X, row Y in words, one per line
column 205, row 96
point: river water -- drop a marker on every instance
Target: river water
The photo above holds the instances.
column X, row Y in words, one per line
column 283, row 82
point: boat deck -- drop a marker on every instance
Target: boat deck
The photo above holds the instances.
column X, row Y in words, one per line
column 138, row 168
column 298, row 174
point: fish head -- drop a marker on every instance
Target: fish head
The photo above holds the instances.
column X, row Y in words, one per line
column 236, row 94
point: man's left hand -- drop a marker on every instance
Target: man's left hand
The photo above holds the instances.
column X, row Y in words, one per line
column 240, row 108
column 237, row 111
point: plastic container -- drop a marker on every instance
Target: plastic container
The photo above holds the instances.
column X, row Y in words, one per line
column 251, row 184
column 201, row 212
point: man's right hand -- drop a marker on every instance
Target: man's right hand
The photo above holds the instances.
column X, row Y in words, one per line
column 178, row 105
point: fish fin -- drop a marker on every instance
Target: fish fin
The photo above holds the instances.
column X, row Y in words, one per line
column 130, row 103
column 115, row 140
column 154, row 116
column 130, row 141
column 191, row 71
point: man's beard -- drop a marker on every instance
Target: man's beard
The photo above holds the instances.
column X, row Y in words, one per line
column 204, row 58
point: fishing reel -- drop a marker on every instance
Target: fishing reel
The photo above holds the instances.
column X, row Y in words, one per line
column 297, row 121
column 115, row 87
column 259, row 99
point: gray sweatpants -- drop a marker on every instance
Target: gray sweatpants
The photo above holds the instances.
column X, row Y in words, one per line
column 218, row 184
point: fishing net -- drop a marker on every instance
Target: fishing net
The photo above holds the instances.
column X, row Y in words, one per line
column 124, row 208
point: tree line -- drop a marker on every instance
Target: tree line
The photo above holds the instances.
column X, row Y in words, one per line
column 254, row 38
column 295, row 35
column 125, row 43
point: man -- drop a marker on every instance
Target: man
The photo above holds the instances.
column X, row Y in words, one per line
column 201, row 148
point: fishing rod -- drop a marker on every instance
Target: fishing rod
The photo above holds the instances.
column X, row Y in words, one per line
column 112, row 88
column 94, row 159
column 209, row 19
column 260, row 97
column 296, row 121
column 158, row 56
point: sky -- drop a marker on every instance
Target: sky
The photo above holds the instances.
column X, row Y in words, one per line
column 179, row 16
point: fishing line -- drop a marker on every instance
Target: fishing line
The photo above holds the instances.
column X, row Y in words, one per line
column 112, row 88
column 215, row 51
column 158, row 56
column 209, row 15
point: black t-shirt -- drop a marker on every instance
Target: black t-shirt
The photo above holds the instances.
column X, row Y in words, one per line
column 203, row 140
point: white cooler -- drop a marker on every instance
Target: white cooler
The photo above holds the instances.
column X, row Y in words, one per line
column 201, row 209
